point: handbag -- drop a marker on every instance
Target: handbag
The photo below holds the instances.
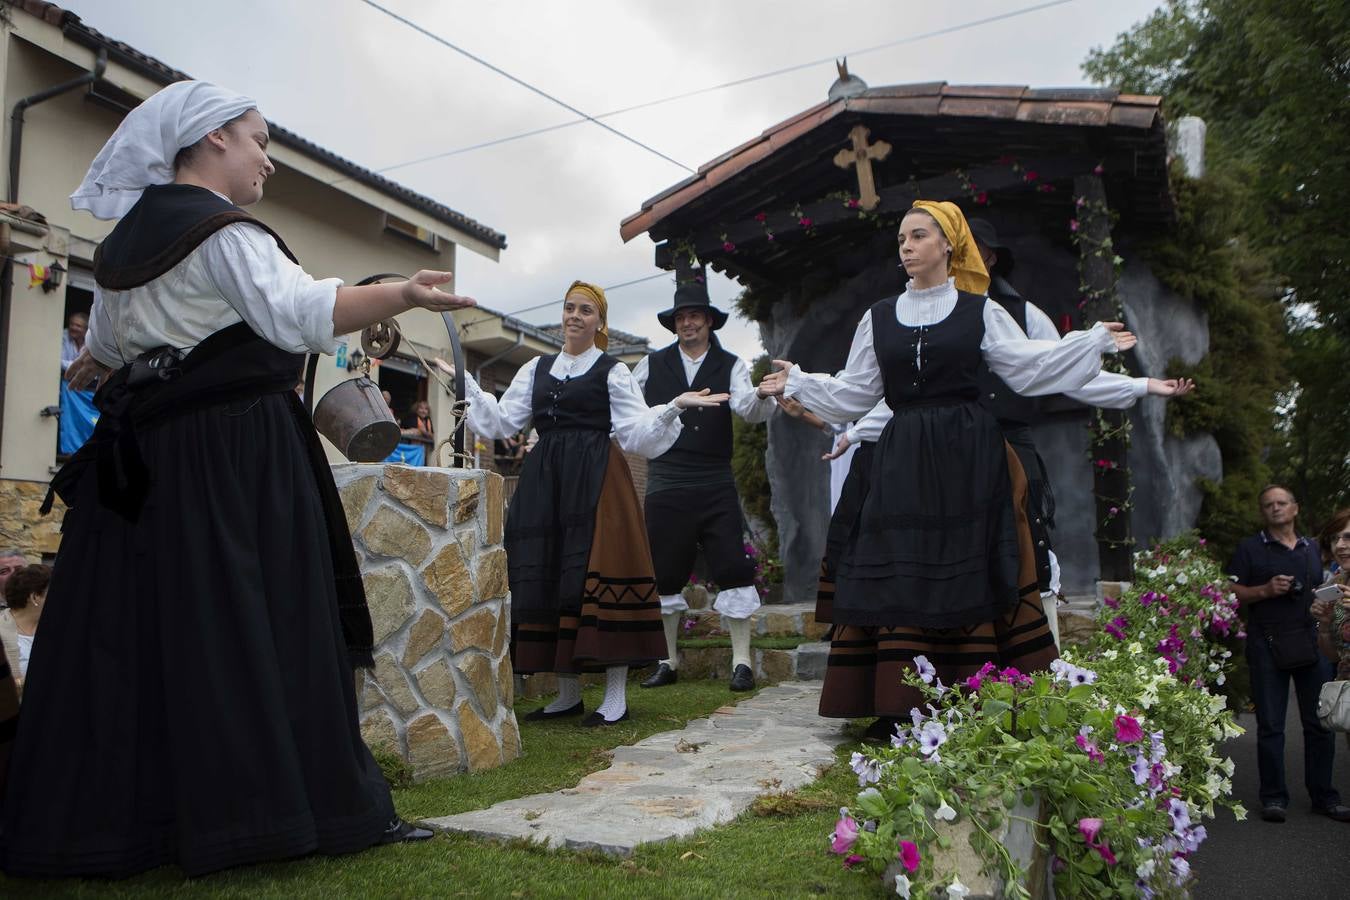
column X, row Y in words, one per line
column 1293, row 646
column 1333, row 705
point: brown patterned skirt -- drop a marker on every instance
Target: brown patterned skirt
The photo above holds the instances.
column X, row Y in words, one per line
column 618, row 622
column 867, row 663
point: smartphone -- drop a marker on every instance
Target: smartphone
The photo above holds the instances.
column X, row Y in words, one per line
column 1327, row 592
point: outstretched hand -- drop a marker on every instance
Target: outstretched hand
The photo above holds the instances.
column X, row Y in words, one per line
column 700, row 398
column 84, row 371
column 422, row 290
column 1171, row 387
column 444, row 366
column 839, row 448
column 1124, row 339
column 773, row 384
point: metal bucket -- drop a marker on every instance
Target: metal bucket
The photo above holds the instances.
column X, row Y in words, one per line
column 356, row 419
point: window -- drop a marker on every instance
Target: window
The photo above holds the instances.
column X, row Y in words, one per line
column 411, row 232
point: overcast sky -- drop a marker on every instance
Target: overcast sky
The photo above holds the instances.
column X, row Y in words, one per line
column 368, row 88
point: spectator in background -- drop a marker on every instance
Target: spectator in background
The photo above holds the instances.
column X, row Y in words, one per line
column 78, row 414
column 1275, row 572
column 11, row 561
column 72, row 342
column 417, row 428
column 27, row 594
column 1333, row 617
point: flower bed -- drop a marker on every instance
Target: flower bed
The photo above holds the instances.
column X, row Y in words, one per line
column 1115, row 745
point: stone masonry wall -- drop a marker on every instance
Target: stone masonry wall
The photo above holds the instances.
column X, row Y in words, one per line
column 429, row 544
column 22, row 526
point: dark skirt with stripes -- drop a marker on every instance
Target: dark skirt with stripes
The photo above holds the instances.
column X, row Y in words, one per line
column 867, row 662
column 592, row 604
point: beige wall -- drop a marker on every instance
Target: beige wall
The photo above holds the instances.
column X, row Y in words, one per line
column 335, row 231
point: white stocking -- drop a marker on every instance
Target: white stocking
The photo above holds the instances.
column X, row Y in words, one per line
column 616, row 700
column 671, row 622
column 739, row 629
column 569, row 692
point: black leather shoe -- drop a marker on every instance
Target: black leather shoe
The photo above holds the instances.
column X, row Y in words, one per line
column 595, row 720
column 400, row 831
column 539, row 715
column 1274, row 812
column 742, row 679
column 663, row 676
column 880, row 731
column 1337, row 813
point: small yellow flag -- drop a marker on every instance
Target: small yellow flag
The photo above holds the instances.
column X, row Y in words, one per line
column 36, row 274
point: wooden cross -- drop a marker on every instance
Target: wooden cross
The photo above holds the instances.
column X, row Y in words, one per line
column 861, row 155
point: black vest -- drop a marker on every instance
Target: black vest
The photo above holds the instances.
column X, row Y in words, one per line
column 160, row 231
column 706, row 437
column 950, row 351
column 1009, row 407
column 580, row 403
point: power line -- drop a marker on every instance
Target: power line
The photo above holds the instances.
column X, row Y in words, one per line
column 612, row 287
column 951, row 29
column 585, row 117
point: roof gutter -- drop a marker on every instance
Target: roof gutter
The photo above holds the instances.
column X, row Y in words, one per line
column 15, row 152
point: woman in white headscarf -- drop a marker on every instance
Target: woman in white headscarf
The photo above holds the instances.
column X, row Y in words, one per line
column 191, row 698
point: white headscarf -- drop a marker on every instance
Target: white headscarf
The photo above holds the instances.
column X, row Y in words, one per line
column 141, row 151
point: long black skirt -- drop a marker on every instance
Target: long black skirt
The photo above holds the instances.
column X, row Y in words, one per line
column 189, row 698
column 936, row 542
column 842, row 523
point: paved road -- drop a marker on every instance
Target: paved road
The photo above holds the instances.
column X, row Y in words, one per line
column 1306, row 857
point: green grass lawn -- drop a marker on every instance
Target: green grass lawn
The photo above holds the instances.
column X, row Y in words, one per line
column 779, row 849
column 777, row 642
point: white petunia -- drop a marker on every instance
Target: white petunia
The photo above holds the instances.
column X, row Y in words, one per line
column 956, row 890
column 902, row 884
column 945, row 812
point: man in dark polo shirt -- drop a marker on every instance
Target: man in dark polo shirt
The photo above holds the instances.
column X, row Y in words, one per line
column 1275, row 572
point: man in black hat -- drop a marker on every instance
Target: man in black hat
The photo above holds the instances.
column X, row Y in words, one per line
column 1016, row 413
column 691, row 493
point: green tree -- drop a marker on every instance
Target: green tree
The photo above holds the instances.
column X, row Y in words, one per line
column 1271, row 79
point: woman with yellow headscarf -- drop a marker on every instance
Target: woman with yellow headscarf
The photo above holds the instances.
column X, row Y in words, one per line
column 938, row 572
column 583, row 595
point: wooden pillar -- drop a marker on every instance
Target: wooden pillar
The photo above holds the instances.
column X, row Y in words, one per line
column 1110, row 427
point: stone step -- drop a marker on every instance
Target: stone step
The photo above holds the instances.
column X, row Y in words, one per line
column 672, row 784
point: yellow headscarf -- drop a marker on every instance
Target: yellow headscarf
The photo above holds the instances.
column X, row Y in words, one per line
column 966, row 264
column 595, row 294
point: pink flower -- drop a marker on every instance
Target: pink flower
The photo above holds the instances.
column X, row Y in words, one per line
column 1090, row 748
column 1089, row 829
column 845, row 833
column 1128, row 730
column 982, row 198
column 1073, row 224
column 1116, row 627
column 1031, row 175
column 804, row 221
column 761, row 217
column 1115, row 510
column 770, row 235
column 728, row 247
column 852, row 860
column 1104, row 850
column 1111, row 602
column 974, row 682
column 1098, row 169
column 854, row 203
column 909, row 856
column 1046, row 188
column 1080, row 202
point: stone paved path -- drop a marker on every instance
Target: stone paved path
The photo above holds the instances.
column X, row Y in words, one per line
column 672, row 784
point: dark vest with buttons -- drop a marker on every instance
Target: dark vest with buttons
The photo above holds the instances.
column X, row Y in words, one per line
column 1010, row 408
column 580, row 403
column 706, row 438
column 950, row 351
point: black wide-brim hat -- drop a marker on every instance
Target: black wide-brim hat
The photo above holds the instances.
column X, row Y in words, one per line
column 984, row 233
column 691, row 292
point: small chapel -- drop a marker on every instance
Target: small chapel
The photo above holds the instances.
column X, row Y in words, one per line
column 1075, row 181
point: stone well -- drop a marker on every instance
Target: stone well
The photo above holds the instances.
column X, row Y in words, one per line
column 429, row 542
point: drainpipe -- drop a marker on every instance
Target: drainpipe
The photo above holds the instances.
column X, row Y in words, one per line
column 478, row 376
column 15, row 149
